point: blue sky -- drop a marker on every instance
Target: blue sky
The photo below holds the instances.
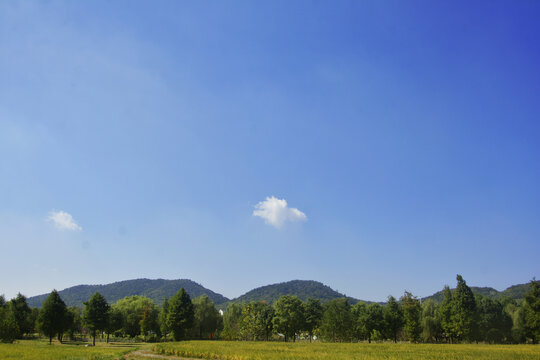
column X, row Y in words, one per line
column 137, row 139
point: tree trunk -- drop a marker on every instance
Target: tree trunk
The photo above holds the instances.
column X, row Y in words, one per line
column 107, row 338
column 50, row 339
column 94, row 338
column 369, row 339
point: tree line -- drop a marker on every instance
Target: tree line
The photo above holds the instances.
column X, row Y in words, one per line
column 460, row 317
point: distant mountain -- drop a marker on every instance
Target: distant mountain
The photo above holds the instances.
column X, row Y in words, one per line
column 304, row 289
column 157, row 290
column 515, row 292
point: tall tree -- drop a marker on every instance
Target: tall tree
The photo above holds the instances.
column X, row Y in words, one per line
column 531, row 311
column 372, row 320
column 74, row 320
column 96, row 314
column 494, row 325
column 445, row 314
column 412, row 312
column 52, row 316
column 256, row 322
column 163, row 318
column 359, row 311
column 289, row 316
column 206, row 317
column 114, row 322
column 149, row 320
column 181, row 314
column 232, row 319
column 337, row 321
column 393, row 318
column 431, row 322
column 22, row 313
column 463, row 310
column 8, row 325
column 313, row 313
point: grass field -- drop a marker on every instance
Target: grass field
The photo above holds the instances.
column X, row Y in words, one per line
column 41, row 350
column 231, row 350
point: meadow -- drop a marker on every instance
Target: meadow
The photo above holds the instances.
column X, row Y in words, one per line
column 41, row 350
column 243, row 350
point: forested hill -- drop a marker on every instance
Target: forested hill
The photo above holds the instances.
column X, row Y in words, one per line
column 515, row 292
column 157, row 290
column 304, row 289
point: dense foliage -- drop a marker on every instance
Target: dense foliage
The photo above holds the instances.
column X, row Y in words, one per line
column 303, row 289
column 461, row 316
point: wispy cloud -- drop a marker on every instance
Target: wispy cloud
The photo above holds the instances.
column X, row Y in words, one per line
column 63, row 221
column 275, row 212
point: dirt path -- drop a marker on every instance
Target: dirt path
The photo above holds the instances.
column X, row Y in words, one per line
column 146, row 354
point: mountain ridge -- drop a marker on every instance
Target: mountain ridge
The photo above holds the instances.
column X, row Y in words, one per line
column 155, row 289
column 159, row 289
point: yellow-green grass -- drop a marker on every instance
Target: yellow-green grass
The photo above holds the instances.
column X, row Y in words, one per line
column 232, row 350
column 41, row 350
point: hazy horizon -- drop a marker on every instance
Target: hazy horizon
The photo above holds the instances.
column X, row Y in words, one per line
column 375, row 147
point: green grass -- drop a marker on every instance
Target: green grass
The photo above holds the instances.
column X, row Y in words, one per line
column 243, row 350
column 41, row 350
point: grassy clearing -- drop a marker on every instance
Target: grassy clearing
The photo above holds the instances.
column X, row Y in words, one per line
column 232, row 350
column 41, row 350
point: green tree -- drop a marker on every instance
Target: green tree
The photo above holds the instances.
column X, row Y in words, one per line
column 163, row 318
column 463, row 310
column 8, row 324
column 494, row 324
column 181, row 314
column 256, row 322
column 445, row 313
column 52, row 316
column 74, row 320
column 313, row 313
column 412, row 312
column 359, row 314
column 337, row 321
column 393, row 318
column 149, row 320
column 115, row 322
column 96, row 314
column 22, row 313
column 372, row 321
column 132, row 309
column 232, row 319
column 531, row 311
column 289, row 316
column 431, row 322
column 206, row 318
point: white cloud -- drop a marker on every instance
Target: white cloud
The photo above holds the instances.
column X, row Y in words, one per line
column 63, row 221
column 275, row 212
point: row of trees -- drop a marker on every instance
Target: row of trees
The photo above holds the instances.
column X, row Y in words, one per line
column 132, row 316
column 460, row 316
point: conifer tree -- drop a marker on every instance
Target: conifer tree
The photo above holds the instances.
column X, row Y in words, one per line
column 52, row 316
column 96, row 314
column 393, row 318
column 412, row 312
column 445, row 314
column 463, row 310
column 181, row 314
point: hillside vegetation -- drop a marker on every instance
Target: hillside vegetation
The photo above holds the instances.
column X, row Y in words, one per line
column 303, row 289
column 157, row 290
column 515, row 292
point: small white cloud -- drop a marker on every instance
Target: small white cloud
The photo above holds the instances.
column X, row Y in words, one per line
column 275, row 212
column 63, row 221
